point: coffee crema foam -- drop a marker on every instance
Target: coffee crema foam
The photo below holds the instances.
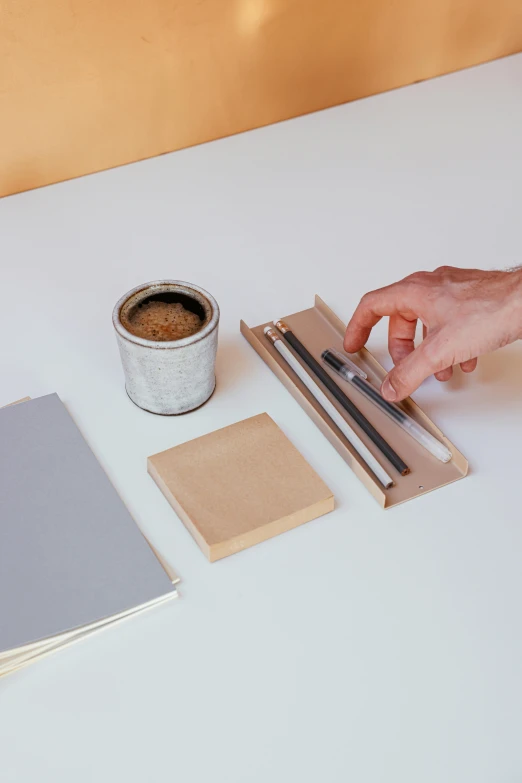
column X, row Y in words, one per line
column 163, row 321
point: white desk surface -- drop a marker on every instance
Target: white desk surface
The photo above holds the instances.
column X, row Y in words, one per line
column 367, row 646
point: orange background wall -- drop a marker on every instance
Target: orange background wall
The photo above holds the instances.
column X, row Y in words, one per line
column 90, row 84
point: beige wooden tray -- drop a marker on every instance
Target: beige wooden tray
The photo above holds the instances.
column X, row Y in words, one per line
column 319, row 328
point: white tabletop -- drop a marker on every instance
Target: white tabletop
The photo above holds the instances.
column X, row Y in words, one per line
column 366, row 646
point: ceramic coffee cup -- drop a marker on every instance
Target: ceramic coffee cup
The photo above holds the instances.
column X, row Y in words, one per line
column 168, row 377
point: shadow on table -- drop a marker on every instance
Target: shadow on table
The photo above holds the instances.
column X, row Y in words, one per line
column 497, row 382
column 232, row 362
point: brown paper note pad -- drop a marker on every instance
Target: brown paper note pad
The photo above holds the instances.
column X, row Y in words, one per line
column 240, row 485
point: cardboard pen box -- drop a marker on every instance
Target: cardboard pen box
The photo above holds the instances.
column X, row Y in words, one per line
column 319, row 328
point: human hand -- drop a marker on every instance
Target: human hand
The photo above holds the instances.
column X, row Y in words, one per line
column 464, row 312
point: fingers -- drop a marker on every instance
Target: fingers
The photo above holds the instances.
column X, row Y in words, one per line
column 447, row 373
column 401, row 336
column 428, row 359
column 390, row 300
column 447, row 339
column 469, row 365
column 360, row 326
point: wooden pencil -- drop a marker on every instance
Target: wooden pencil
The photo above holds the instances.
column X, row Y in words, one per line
column 383, row 446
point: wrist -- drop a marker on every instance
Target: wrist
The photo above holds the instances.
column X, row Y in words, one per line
column 514, row 302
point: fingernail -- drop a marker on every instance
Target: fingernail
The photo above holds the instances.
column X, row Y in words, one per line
column 387, row 390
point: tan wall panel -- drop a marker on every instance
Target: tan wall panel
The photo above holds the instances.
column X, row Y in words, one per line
column 90, row 84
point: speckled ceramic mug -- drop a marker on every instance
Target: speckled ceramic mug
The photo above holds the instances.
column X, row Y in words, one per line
column 175, row 376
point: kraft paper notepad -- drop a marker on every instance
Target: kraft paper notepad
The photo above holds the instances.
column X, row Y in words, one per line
column 240, row 485
column 72, row 559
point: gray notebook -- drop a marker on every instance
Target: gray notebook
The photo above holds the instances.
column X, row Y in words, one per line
column 71, row 557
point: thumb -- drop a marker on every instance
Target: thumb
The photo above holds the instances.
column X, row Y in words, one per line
column 409, row 373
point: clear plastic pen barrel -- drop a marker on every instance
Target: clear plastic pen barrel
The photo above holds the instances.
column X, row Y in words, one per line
column 336, row 361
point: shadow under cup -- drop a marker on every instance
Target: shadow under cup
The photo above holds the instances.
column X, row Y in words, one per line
column 163, row 375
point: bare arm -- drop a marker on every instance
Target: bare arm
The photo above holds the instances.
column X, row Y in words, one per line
column 464, row 312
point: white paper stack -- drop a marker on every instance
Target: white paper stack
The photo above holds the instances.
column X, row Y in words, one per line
column 72, row 559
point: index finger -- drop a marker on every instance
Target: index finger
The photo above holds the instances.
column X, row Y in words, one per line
column 390, row 300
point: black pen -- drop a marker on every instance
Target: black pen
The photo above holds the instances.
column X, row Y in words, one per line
column 337, row 362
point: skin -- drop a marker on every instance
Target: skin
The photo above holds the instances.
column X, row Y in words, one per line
column 464, row 312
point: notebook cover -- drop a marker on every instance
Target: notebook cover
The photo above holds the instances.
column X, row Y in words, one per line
column 240, row 485
column 70, row 553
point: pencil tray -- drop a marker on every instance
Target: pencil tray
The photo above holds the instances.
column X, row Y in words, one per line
column 319, row 328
